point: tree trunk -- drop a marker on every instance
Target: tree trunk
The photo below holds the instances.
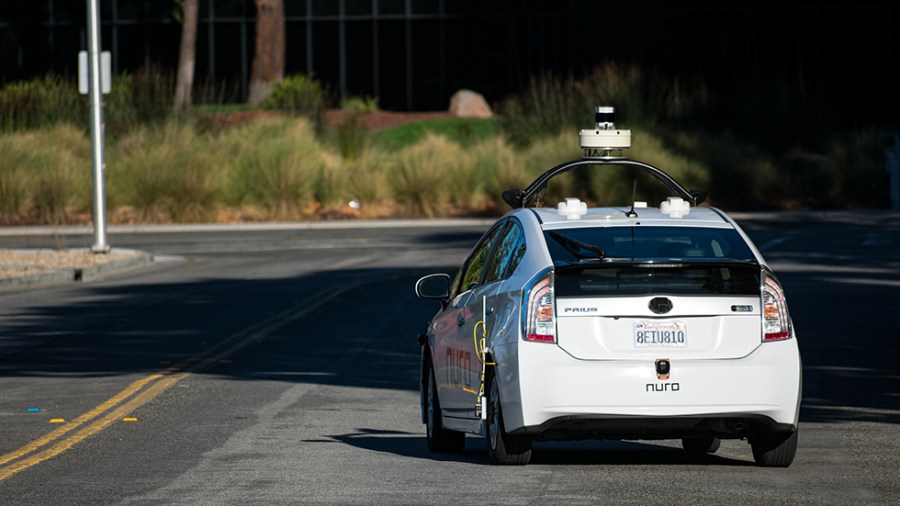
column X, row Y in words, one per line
column 268, row 58
column 187, row 57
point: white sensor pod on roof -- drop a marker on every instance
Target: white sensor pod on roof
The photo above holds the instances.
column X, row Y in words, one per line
column 604, row 138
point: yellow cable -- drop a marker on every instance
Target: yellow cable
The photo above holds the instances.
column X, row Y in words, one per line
column 481, row 355
column 479, row 351
column 479, row 345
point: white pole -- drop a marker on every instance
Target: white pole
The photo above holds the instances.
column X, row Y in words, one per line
column 95, row 95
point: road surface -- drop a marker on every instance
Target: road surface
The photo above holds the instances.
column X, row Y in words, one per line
column 280, row 366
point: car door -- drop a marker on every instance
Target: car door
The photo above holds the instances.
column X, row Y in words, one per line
column 482, row 311
column 454, row 355
column 503, row 301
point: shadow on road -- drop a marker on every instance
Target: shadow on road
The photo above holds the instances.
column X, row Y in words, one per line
column 842, row 279
column 581, row 453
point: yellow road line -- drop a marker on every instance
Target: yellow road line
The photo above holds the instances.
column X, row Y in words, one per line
column 81, row 420
column 139, row 400
column 170, row 375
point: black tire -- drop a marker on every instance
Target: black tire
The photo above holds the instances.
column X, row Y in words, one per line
column 503, row 448
column 707, row 444
column 440, row 440
column 774, row 449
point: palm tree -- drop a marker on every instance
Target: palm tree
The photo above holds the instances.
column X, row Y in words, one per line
column 268, row 58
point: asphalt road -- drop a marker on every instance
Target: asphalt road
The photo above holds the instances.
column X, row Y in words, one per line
column 280, row 366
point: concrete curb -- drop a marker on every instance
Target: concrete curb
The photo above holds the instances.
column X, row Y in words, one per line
column 93, row 272
column 77, row 274
column 223, row 227
column 54, row 277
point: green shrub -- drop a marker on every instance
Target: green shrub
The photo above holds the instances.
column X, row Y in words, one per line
column 360, row 104
column 546, row 107
column 352, row 138
column 300, row 95
column 41, row 102
column 739, row 176
column 642, row 98
column 138, row 99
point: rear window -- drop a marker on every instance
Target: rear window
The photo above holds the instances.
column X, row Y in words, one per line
column 685, row 261
column 646, row 243
column 647, row 279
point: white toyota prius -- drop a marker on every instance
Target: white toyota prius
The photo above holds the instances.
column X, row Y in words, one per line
column 633, row 322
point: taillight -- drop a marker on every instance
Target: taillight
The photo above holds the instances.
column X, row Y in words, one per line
column 776, row 320
column 540, row 314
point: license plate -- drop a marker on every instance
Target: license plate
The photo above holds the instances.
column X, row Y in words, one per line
column 671, row 334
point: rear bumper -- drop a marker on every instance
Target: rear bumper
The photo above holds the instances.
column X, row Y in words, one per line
column 560, row 395
column 732, row 426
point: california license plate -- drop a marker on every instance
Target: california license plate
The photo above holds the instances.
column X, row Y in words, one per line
column 662, row 334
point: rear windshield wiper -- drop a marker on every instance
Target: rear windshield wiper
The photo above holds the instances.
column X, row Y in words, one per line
column 576, row 247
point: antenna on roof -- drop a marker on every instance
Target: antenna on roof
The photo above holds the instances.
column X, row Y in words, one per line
column 631, row 213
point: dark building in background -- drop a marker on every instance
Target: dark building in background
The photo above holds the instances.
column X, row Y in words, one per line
column 412, row 54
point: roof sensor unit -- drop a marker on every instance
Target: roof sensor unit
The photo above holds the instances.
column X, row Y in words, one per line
column 572, row 208
column 676, row 207
column 605, row 117
column 604, row 138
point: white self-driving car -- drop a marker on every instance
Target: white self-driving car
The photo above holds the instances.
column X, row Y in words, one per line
column 631, row 322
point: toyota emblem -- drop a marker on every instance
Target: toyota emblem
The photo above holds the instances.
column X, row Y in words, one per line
column 660, row 305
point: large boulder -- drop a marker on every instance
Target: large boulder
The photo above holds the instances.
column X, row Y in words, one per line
column 468, row 104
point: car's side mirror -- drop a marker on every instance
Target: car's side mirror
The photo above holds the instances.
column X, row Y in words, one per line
column 434, row 286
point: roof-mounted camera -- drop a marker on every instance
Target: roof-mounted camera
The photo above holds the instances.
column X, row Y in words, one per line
column 604, row 139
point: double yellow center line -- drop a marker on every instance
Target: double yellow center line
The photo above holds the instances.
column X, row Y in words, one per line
column 148, row 388
column 128, row 400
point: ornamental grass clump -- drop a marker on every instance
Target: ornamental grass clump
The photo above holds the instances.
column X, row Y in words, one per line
column 44, row 175
column 429, row 175
column 497, row 168
column 276, row 163
column 369, row 179
column 166, row 173
column 40, row 103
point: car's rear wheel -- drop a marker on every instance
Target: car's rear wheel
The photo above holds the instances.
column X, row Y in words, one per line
column 774, row 449
column 503, row 448
column 440, row 440
column 701, row 444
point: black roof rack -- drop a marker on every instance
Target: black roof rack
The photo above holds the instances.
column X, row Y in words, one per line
column 519, row 198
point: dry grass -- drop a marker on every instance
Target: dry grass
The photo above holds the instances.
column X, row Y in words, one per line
column 166, row 174
column 276, row 168
column 44, row 175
